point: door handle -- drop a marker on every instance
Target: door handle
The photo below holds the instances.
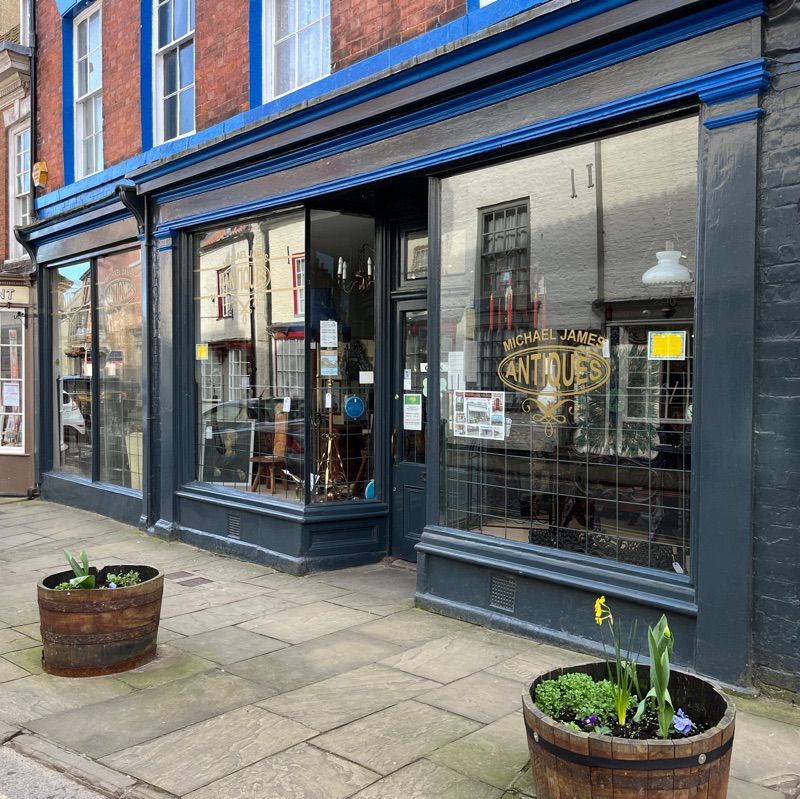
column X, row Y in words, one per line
column 394, row 445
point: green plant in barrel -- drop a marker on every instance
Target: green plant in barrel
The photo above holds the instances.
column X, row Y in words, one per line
column 84, row 579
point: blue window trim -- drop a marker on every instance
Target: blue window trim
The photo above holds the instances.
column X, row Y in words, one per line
column 256, row 43
column 146, row 72
column 68, row 100
column 228, row 135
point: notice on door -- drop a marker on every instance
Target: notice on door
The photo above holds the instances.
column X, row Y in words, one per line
column 412, row 411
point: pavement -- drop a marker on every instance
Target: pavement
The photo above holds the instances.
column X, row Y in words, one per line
column 268, row 686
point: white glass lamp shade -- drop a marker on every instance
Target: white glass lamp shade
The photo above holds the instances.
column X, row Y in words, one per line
column 669, row 271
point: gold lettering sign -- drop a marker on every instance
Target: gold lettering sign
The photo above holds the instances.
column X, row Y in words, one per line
column 553, row 367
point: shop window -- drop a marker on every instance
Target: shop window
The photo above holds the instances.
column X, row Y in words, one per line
column 20, row 171
column 88, row 93
column 12, row 387
column 97, row 369
column 174, row 69
column 568, row 361
column 298, row 44
column 249, row 410
column 343, row 350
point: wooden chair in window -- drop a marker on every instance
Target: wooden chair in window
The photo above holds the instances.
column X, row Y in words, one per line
column 270, row 467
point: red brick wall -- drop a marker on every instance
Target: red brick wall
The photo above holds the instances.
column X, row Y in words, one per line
column 48, row 98
column 222, row 61
column 122, row 126
column 361, row 28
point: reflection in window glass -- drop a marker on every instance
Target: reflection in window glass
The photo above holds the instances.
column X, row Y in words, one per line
column 250, row 414
column 119, row 315
column 12, row 370
column 567, row 378
column 342, row 269
column 72, row 368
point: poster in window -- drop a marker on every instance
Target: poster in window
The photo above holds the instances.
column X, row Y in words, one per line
column 11, row 395
column 479, row 414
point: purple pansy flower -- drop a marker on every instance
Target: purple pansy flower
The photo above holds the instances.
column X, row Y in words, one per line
column 682, row 722
column 590, row 721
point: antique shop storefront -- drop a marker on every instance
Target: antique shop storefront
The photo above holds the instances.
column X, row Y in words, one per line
column 505, row 331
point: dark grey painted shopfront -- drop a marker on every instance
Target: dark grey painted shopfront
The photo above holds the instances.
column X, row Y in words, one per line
column 688, row 71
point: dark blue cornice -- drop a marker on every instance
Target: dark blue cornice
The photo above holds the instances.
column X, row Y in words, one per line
column 747, row 73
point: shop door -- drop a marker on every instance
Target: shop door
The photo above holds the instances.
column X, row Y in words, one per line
column 409, row 417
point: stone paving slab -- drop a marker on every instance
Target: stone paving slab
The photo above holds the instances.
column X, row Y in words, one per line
column 426, row 780
column 302, row 772
column 229, row 645
column 448, row 659
column 307, row 621
column 412, row 627
column 314, row 660
column 338, row 700
column 169, row 664
column 225, row 615
column 28, row 659
column 483, row 697
column 150, row 713
column 763, row 749
column 192, row 757
column 392, row 738
column 494, row 754
column 44, row 695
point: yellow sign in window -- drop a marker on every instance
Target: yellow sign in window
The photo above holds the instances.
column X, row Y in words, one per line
column 666, row 345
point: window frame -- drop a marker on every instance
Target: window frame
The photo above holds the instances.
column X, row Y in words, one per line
column 159, row 56
column 269, row 43
column 91, row 96
column 20, row 448
column 15, row 217
column 299, row 283
column 224, row 298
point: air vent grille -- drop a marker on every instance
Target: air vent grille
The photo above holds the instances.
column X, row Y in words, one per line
column 502, row 591
column 234, row 526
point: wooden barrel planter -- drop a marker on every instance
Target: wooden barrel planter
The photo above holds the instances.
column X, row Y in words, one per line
column 87, row 632
column 568, row 764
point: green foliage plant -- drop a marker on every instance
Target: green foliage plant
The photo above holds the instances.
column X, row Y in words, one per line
column 660, row 643
column 82, row 578
column 622, row 673
column 121, row 580
column 577, row 696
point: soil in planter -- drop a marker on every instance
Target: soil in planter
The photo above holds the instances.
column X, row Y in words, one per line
column 646, row 727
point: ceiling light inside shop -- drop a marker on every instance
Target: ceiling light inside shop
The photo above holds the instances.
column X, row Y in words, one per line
column 669, row 271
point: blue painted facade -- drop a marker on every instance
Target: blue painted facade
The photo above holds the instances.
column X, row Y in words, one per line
column 506, row 55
